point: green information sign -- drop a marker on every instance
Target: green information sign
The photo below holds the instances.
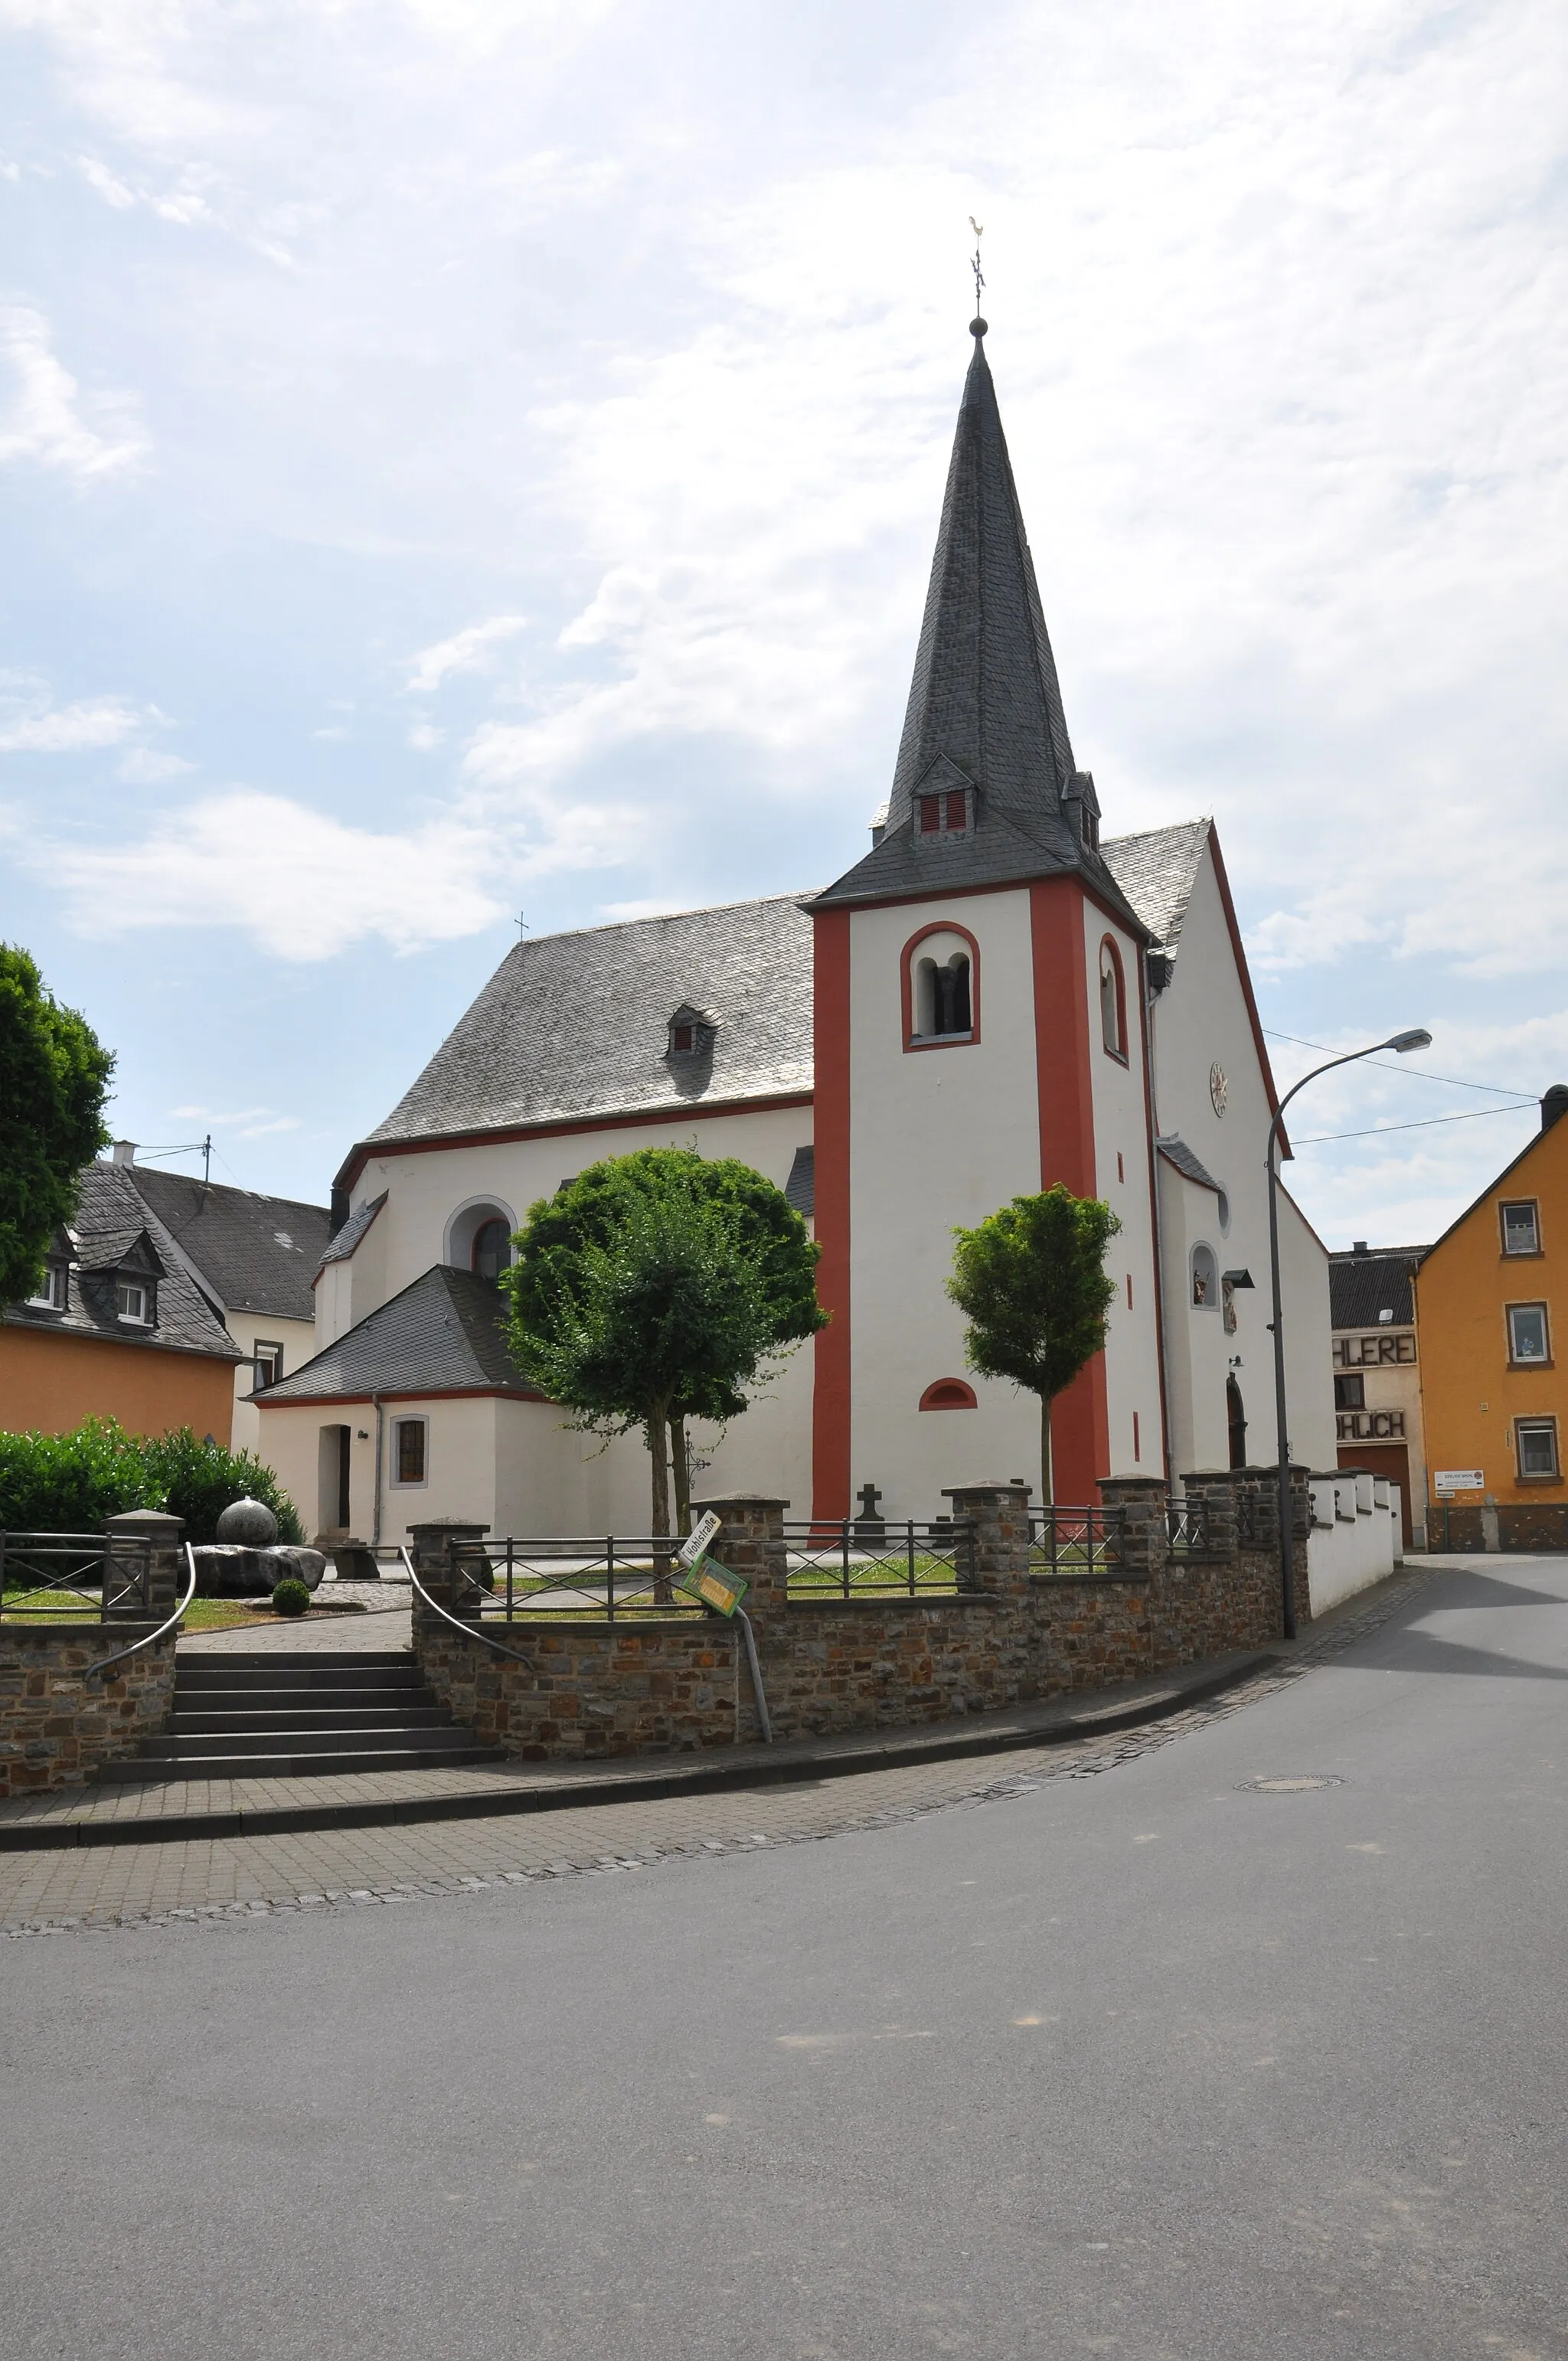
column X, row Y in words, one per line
column 714, row 1585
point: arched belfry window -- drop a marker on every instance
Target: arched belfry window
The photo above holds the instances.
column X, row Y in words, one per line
column 940, row 988
column 491, row 1251
column 1113, row 1001
column 478, row 1238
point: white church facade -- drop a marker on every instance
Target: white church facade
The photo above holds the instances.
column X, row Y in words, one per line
column 992, row 1000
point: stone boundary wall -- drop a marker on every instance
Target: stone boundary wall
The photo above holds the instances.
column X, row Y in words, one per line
column 579, row 1690
column 1528, row 1525
column 56, row 1725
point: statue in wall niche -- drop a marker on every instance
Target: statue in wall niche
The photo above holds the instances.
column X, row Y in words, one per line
column 247, row 1561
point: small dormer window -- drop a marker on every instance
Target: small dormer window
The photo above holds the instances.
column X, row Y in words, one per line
column 51, row 1295
column 945, row 814
column 134, row 1301
column 690, row 1032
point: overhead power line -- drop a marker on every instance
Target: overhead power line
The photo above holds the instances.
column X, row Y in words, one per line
column 1497, row 1089
column 1425, row 1123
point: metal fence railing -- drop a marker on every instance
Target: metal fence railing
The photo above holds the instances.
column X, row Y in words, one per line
column 1187, row 1526
column 609, row 1577
column 875, row 1553
column 55, row 1578
column 1076, row 1541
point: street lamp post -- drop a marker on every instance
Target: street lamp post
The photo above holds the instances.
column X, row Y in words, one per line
column 1403, row 1043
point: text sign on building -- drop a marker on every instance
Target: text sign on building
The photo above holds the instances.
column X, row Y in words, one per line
column 1460, row 1479
column 1376, row 1352
column 1371, row 1425
column 695, row 1547
column 715, row 1586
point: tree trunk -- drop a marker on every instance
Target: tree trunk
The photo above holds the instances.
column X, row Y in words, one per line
column 657, row 1433
column 681, row 1466
column 1047, row 1476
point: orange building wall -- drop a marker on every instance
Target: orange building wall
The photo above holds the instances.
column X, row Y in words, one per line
column 1470, row 1395
column 54, row 1382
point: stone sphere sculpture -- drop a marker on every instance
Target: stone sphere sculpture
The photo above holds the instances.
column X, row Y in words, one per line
column 249, row 1522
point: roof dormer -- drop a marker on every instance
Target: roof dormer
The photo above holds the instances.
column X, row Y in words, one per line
column 690, row 1032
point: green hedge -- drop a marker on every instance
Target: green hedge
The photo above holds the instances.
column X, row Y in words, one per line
column 70, row 1483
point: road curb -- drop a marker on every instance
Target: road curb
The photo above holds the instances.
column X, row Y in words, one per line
column 786, row 1768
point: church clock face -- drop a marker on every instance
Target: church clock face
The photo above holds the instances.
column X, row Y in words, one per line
column 1219, row 1088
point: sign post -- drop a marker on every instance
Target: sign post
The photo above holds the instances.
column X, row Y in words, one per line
column 723, row 1592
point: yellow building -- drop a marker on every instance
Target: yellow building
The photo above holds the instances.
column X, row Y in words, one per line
column 1494, row 1400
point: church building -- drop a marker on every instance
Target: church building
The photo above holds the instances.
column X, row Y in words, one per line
column 995, row 998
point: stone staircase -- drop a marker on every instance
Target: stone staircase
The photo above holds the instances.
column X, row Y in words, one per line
column 278, row 1714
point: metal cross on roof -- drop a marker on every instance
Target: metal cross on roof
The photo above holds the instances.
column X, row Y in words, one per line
column 979, row 229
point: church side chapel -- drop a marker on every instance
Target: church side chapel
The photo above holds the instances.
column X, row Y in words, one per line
column 995, row 998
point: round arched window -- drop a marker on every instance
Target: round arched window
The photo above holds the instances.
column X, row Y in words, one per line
column 491, row 1251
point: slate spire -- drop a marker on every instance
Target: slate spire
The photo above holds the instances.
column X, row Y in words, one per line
column 985, row 708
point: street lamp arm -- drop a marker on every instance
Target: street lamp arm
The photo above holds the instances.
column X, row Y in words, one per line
column 1416, row 1039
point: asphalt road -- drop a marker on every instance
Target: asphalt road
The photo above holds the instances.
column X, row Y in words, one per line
column 1145, row 2064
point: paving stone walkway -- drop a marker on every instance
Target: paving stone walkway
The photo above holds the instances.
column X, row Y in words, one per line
column 387, row 1622
column 54, row 1891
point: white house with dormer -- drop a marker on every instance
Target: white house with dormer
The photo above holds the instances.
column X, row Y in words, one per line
column 995, row 998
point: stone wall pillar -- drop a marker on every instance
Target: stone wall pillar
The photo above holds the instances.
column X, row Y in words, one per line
column 159, row 1535
column 750, row 1541
column 1137, row 1504
column 1214, row 1490
column 438, row 1563
column 999, row 1514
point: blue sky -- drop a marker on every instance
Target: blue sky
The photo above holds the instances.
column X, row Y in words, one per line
column 458, row 459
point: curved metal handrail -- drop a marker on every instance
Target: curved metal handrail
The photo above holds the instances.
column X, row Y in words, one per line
column 94, row 1670
column 471, row 1630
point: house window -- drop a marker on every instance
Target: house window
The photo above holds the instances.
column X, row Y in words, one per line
column 1536, row 1440
column 50, row 1296
column 1205, row 1279
column 683, row 1037
column 491, row 1252
column 1527, row 1339
column 410, row 1450
column 930, row 815
column 1521, row 1228
column 133, row 1300
column 958, row 811
column 949, row 1393
column 1113, row 1002
column 268, row 1363
column 1350, row 1393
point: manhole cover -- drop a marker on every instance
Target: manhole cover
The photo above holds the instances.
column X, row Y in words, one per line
column 1292, row 1783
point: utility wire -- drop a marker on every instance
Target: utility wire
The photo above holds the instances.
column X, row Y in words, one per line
column 1497, row 1088
column 1425, row 1123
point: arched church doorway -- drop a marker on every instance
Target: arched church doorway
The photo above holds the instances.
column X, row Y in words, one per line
column 1236, row 1419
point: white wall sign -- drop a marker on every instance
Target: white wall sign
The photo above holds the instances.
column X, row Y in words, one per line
column 1460, row 1479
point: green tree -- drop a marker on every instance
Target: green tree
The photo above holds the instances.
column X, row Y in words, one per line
column 1033, row 1282
column 705, row 1261
column 54, row 1077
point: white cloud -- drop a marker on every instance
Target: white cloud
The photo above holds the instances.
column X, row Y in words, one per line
column 44, row 421
column 305, row 887
column 31, row 724
column 142, row 767
column 473, row 650
column 250, row 1123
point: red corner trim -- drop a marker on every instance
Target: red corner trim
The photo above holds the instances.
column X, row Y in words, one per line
column 1081, row 1422
column 832, row 1394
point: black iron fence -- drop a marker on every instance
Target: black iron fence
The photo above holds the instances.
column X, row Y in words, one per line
column 1187, row 1526
column 58, row 1577
column 597, row 1578
column 1074, row 1541
column 875, row 1553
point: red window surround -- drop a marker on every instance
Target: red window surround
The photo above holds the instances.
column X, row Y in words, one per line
column 949, row 1393
column 906, row 987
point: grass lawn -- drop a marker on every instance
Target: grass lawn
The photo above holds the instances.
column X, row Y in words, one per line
column 201, row 1615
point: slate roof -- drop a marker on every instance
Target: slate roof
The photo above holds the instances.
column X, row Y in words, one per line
column 985, row 705
column 1157, row 871
column 441, row 1334
column 1361, row 1286
column 259, row 1254
column 344, row 1240
column 110, row 1223
column 576, row 1026
column 1175, row 1151
column 801, row 1186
